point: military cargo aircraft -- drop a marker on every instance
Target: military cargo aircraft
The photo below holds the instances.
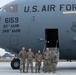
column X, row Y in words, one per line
column 38, row 24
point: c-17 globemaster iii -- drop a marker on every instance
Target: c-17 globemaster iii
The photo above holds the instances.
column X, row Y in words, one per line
column 38, row 24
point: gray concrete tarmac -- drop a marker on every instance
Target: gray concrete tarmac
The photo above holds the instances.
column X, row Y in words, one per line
column 63, row 68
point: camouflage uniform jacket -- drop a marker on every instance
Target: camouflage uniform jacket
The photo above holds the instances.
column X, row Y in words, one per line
column 30, row 56
column 38, row 57
column 22, row 55
column 54, row 58
column 47, row 55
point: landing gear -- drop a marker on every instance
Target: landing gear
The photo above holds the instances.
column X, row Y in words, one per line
column 15, row 63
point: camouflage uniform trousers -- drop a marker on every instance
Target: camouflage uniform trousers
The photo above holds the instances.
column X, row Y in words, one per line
column 37, row 66
column 54, row 67
column 46, row 65
column 51, row 66
column 22, row 65
column 31, row 66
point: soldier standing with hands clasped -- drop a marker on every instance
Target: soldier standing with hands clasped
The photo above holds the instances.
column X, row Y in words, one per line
column 38, row 58
column 47, row 56
column 30, row 56
column 54, row 60
column 22, row 56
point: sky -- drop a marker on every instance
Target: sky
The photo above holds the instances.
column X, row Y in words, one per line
column 3, row 2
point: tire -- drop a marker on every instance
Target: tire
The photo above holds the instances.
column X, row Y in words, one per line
column 15, row 63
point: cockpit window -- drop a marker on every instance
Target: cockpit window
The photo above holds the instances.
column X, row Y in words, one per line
column 11, row 9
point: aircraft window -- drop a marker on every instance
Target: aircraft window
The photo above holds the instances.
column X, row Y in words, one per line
column 11, row 9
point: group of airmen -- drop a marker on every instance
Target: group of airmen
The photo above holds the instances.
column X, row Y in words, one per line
column 50, row 60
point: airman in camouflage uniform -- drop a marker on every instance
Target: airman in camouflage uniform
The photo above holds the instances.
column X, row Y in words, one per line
column 30, row 56
column 47, row 56
column 54, row 60
column 38, row 58
column 22, row 56
column 58, row 54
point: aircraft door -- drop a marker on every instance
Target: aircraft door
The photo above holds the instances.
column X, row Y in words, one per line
column 51, row 37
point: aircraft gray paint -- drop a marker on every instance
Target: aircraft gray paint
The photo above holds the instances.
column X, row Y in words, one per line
column 39, row 24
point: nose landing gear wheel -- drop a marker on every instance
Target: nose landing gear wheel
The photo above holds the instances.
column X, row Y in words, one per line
column 15, row 63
